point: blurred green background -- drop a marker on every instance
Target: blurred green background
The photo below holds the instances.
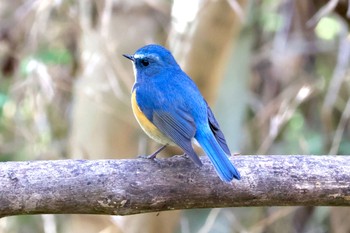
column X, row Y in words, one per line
column 275, row 72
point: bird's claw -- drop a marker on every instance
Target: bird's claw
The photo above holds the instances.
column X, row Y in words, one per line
column 152, row 156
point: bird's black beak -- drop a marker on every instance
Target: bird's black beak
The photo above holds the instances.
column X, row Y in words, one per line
column 130, row 57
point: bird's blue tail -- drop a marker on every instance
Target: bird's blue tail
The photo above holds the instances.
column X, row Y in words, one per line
column 217, row 156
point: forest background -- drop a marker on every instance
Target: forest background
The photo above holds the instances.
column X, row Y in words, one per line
column 275, row 72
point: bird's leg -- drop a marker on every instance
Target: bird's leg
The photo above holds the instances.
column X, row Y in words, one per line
column 153, row 155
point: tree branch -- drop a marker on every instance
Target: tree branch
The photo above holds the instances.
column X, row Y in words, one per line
column 123, row 187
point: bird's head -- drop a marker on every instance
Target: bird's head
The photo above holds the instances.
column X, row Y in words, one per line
column 151, row 60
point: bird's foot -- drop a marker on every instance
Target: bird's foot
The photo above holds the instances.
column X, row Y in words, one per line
column 151, row 156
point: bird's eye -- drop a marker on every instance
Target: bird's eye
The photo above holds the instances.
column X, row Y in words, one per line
column 144, row 62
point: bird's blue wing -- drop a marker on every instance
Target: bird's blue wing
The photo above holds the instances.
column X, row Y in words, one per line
column 179, row 126
column 215, row 128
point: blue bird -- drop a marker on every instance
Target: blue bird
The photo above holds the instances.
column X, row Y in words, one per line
column 170, row 109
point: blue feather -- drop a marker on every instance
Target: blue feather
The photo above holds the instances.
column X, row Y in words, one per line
column 215, row 128
column 217, row 156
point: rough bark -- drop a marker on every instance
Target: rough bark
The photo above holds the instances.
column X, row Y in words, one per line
column 124, row 187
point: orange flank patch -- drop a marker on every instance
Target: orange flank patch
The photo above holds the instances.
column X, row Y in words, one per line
column 150, row 129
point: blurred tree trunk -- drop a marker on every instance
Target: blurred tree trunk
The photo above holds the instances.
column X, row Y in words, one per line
column 202, row 41
column 102, row 119
column 204, row 45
